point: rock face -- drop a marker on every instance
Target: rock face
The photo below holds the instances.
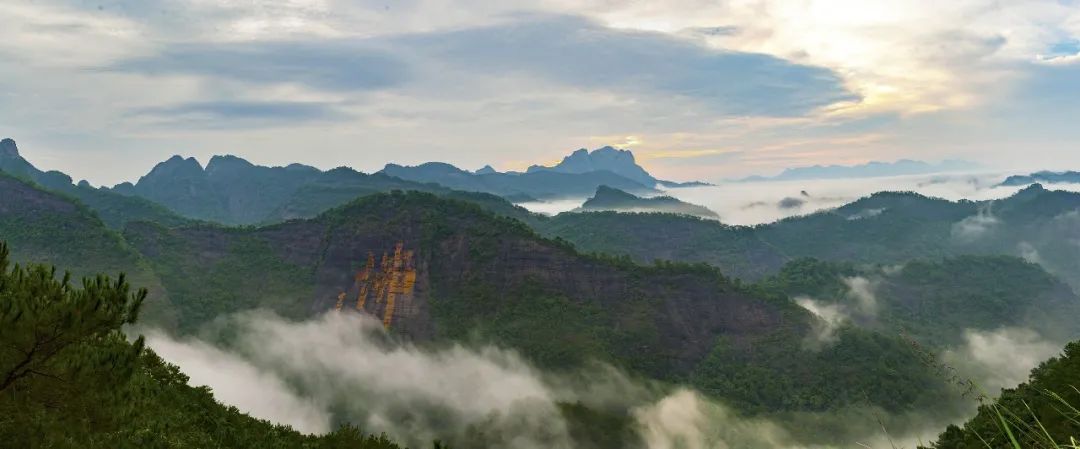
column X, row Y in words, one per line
column 620, row 162
column 457, row 249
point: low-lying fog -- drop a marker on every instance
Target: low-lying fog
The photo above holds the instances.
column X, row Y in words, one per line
column 751, row 203
column 342, row 367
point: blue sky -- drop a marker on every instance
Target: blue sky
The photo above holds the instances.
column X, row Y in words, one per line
column 697, row 89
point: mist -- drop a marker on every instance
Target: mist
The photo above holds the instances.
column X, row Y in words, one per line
column 1001, row 358
column 752, row 203
column 343, row 368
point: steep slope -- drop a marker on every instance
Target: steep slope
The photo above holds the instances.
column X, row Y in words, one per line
column 1039, row 414
column 114, row 209
column 70, row 378
column 611, row 199
column 436, row 269
column 43, row 227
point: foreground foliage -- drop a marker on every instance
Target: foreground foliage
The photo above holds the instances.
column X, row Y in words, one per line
column 70, row 379
column 1039, row 414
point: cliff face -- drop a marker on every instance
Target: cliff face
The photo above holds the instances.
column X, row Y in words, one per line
column 457, row 250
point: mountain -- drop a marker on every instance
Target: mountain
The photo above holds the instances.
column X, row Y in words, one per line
column 231, row 190
column 115, row 210
column 608, row 198
column 542, row 185
column 461, row 273
column 485, row 170
column 937, row 302
column 867, row 170
column 620, row 162
column 737, row 251
column 70, row 377
column 1048, row 177
column 45, row 227
column 883, row 228
column 1040, row 413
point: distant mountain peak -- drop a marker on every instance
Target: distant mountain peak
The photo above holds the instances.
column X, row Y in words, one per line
column 870, row 169
column 606, row 158
column 177, row 163
column 486, row 170
column 224, row 162
column 1049, row 177
column 8, row 149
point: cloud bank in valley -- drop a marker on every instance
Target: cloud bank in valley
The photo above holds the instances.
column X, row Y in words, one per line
column 316, row 374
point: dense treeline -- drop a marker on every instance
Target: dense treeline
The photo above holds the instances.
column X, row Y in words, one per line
column 69, row 378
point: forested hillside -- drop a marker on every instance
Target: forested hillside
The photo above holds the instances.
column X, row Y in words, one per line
column 70, row 378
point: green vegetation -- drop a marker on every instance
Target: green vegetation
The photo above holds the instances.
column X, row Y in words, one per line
column 70, row 379
column 44, row 227
column 1039, row 414
column 647, row 237
column 934, row 301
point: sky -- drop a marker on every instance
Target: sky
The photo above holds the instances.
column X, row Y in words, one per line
column 707, row 90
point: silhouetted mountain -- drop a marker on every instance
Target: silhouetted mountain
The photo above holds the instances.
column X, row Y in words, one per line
column 620, row 162
column 607, row 198
column 537, row 184
column 867, row 170
column 1048, row 177
column 114, row 209
column 232, row 190
column 485, row 170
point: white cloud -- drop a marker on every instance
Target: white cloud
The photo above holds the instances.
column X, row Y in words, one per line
column 1001, row 358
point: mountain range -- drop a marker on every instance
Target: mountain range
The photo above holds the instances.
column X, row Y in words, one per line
column 1048, row 177
column 665, row 296
column 868, row 170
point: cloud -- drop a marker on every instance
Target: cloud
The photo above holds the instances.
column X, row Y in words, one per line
column 976, row 226
column 222, row 114
column 338, row 65
column 859, row 303
column 832, row 317
column 685, row 420
column 861, row 290
column 560, row 50
column 342, row 367
column 578, row 52
column 237, row 382
column 1000, row 358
